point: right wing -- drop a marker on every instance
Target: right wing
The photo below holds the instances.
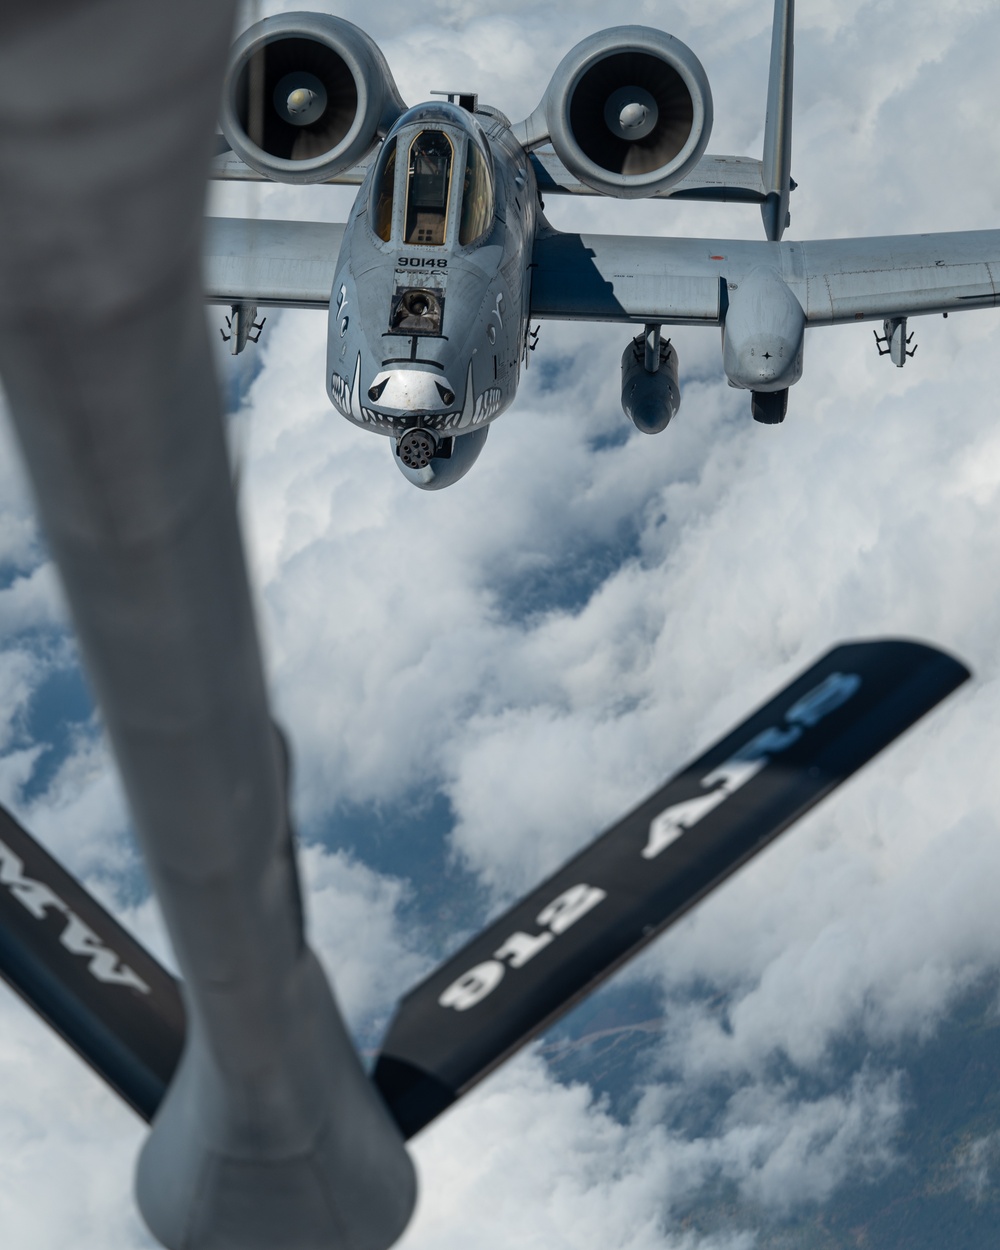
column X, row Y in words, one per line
column 272, row 264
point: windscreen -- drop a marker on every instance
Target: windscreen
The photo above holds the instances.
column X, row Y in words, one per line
column 477, row 197
column 383, row 193
column 427, row 188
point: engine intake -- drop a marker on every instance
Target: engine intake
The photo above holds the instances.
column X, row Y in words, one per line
column 306, row 96
column 628, row 111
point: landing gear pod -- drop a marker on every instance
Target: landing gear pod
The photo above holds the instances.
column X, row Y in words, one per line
column 306, row 96
column 628, row 111
column 650, row 396
column 769, row 407
column 433, row 463
column 762, row 336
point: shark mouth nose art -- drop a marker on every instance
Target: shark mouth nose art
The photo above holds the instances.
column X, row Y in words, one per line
column 412, row 390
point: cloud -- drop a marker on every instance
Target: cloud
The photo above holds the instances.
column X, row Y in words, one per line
column 355, row 929
column 66, row 1146
column 18, row 674
column 539, row 1164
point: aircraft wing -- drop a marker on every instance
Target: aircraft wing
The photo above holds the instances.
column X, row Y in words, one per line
column 686, row 281
column 277, row 264
column 638, row 279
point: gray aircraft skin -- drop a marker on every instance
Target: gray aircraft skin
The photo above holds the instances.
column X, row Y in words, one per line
column 428, row 336
column 447, row 257
column 270, row 1134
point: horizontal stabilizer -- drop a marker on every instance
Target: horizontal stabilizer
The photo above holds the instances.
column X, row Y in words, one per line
column 645, row 872
column 717, row 178
column 85, row 975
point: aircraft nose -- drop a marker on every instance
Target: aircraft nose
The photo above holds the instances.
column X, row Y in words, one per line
column 412, row 390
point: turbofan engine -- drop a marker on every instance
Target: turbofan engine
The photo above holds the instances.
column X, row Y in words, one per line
column 628, row 111
column 306, row 96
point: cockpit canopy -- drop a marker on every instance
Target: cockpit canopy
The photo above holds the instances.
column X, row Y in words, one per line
column 435, row 155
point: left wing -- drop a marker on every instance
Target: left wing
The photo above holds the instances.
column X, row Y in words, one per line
column 686, row 281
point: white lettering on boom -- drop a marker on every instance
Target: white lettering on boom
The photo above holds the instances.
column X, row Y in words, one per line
column 748, row 761
column 78, row 938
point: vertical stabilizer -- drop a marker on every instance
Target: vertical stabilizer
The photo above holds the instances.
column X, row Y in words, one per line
column 778, row 126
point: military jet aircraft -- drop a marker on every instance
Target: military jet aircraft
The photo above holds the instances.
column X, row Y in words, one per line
column 447, row 257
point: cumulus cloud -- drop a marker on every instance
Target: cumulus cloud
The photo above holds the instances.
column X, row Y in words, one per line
column 355, row 929
column 67, row 1147
column 547, row 641
column 539, row 1164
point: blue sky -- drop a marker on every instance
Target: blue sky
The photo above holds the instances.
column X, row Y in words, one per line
column 475, row 683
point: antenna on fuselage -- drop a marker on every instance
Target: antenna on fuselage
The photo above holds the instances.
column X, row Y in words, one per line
column 467, row 100
column 777, row 156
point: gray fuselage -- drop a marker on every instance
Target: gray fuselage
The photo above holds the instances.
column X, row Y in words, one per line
column 429, row 308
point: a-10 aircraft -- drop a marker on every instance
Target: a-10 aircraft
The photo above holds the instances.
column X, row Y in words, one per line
column 447, row 258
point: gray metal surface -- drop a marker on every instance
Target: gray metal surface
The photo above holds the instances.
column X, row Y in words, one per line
column 455, row 369
column 870, row 279
column 762, row 336
column 715, row 178
column 270, row 1135
column 643, row 279
column 580, row 119
column 284, row 264
column 764, row 293
column 227, row 167
column 777, row 161
column 358, row 100
column 684, row 281
column 719, row 179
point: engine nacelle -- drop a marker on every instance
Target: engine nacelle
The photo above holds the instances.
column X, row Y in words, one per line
column 306, row 96
column 432, row 463
column 650, row 398
column 628, row 111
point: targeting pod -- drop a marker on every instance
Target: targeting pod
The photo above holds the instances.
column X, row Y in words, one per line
column 651, row 393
